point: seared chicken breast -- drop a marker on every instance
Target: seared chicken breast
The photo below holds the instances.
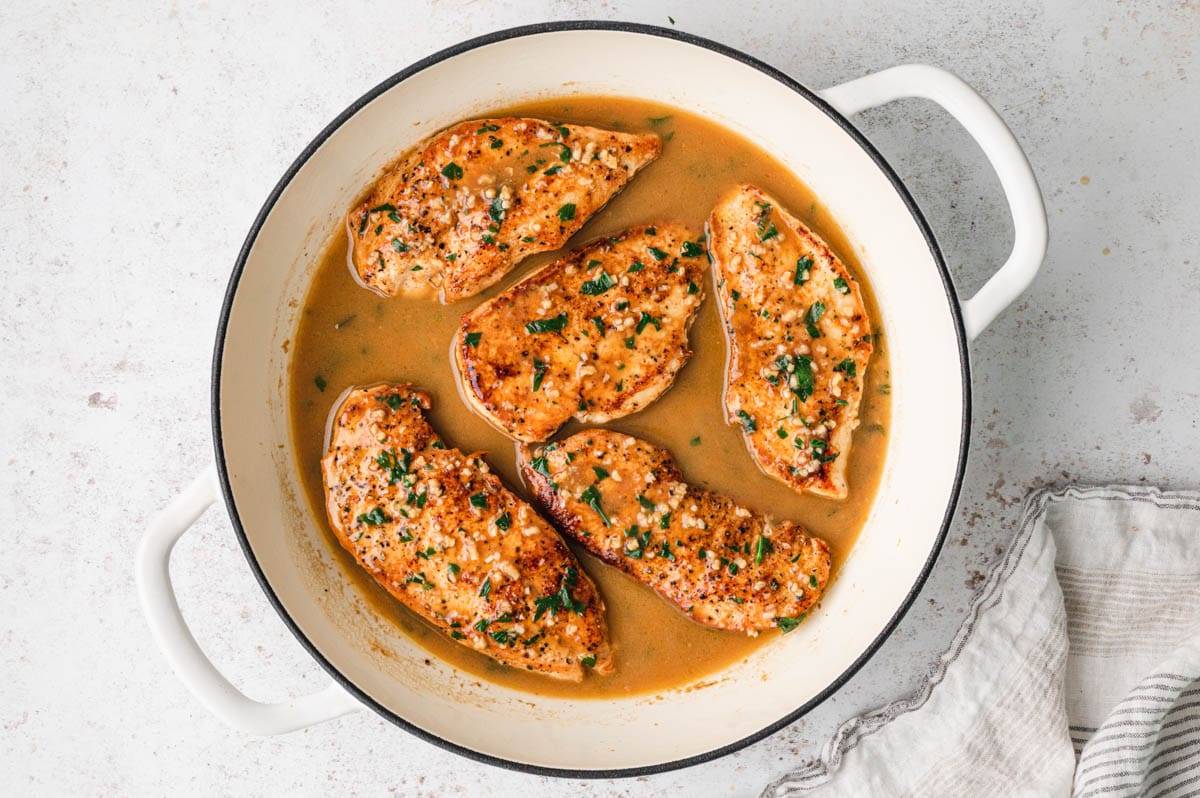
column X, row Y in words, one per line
column 724, row 565
column 597, row 335
column 799, row 340
column 464, row 207
column 443, row 535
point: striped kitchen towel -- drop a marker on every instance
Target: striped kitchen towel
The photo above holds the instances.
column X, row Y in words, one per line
column 1076, row 672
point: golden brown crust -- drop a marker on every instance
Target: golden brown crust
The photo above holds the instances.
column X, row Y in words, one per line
column 443, row 535
column 796, row 395
column 619, row 308
column 468, row 204
column 723, row 565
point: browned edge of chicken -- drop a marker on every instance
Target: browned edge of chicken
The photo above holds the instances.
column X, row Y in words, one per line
column 596, row 335
column 722, row 564
column 462, row 208
column 799, row 340
column 441, row 533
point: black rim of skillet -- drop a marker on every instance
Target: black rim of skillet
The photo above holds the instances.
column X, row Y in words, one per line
column 646, row 30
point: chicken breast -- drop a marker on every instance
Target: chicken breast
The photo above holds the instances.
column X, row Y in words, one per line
column 597, row 335
column 443, row 535
column 724, row 565
column 464, row 207
column 799, row 340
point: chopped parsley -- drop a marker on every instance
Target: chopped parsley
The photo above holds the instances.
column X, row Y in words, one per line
column 319, row 381
column 599, row 285
column 769, row 233
column 847, row 367
column 646, row 319
column 591, row 497
column 656, row 253
column 504, row 522
column 803, row 270
column 748, row 422
column 646, row 503
column 693, row 288
column 479, row 500
column 589, row 661
column 564, row 154
column 819, row 447
column 396, row 466
column 539, row 465
column 399, row 245
column 815, row 311
column 473, row 339
column 762, row 547
column 560, row 601
column 601, row 474
column 452, row 171
column 555, row 324
column 691, row 249
column 567, row 212
column 796, row 372
column 599, row 322
column 642, row 540
column 485, row 589
column 374, row 518
column 636, row 267
column 539, row 373
column 418, row 579
column 787, row 624
column 841, row 285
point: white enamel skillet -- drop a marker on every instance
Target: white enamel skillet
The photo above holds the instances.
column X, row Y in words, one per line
column 371, row 663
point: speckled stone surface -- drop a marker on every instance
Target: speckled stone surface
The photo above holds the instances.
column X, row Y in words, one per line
column 139, row 142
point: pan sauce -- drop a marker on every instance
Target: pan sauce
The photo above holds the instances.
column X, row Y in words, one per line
column 350, row 336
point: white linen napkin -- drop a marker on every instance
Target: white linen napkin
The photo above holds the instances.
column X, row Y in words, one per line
column 1076, row 672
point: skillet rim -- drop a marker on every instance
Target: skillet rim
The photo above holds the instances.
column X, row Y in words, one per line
column 620, row 27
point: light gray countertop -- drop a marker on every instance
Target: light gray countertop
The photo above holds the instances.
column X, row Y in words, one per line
column 139, row 142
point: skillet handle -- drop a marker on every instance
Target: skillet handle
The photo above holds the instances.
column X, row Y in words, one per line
column 170, row 630
column 1002, row 150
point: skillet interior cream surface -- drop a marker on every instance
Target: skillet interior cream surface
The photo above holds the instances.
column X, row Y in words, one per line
column 349, row 336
